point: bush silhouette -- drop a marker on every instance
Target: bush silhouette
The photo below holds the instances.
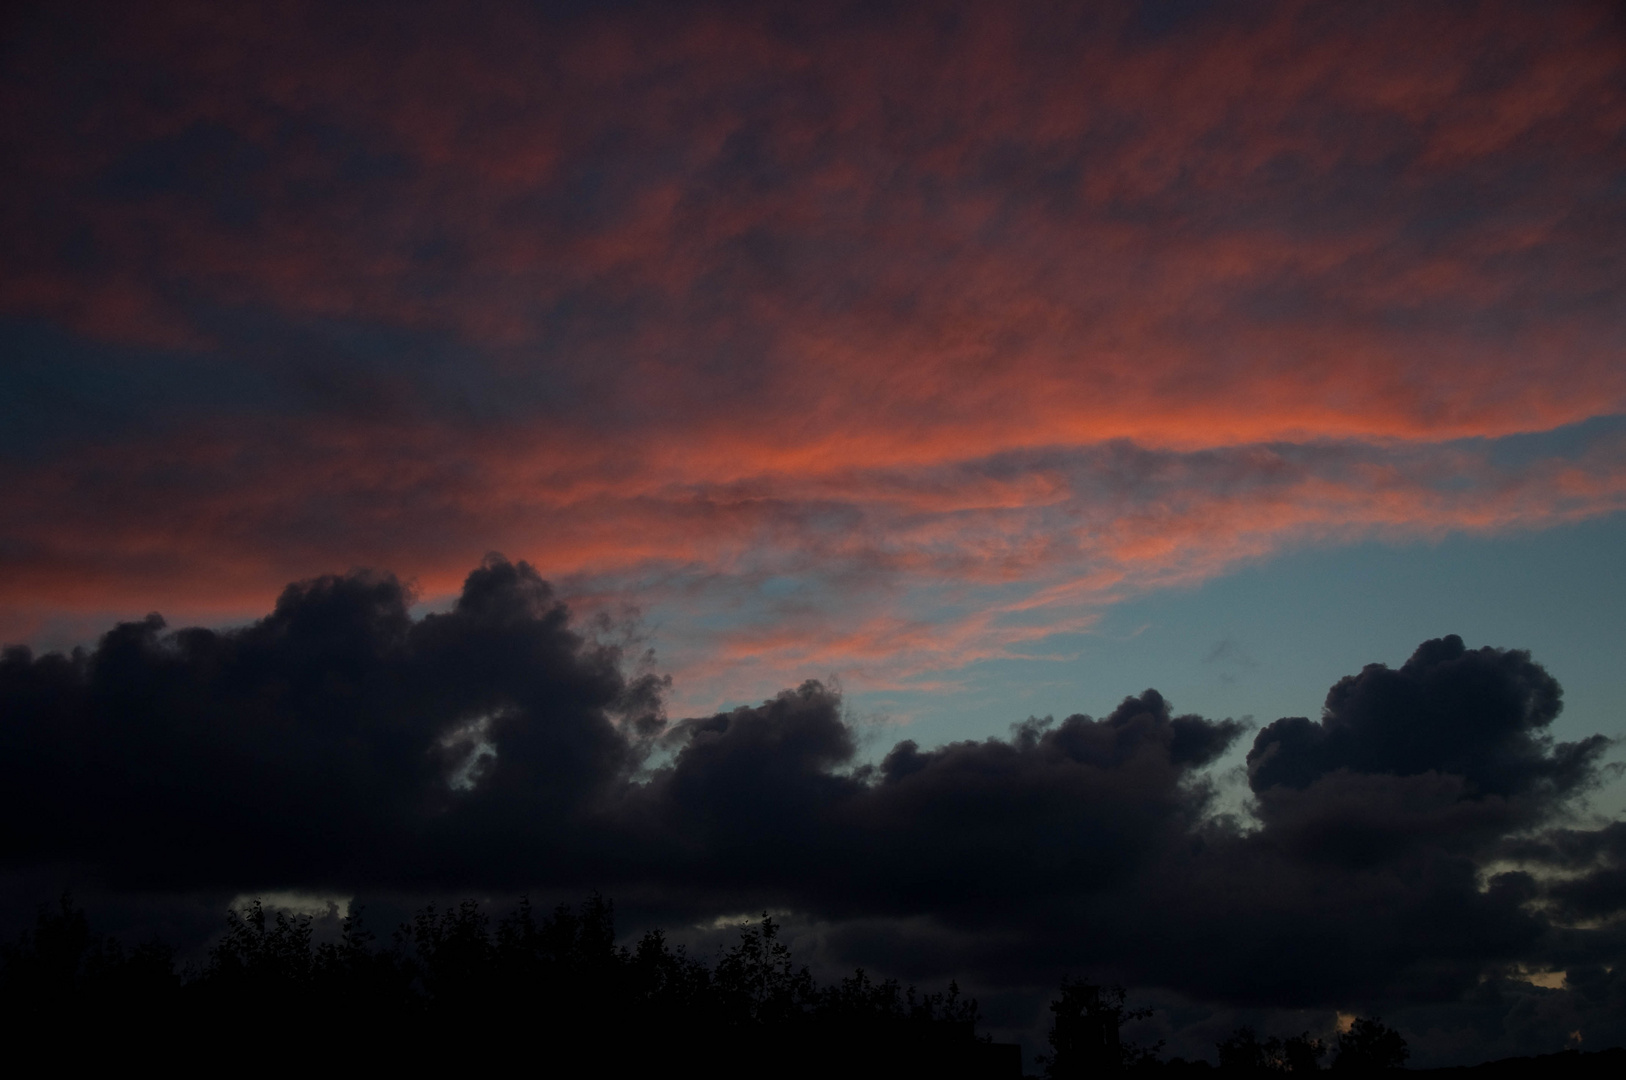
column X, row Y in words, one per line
column 451, row 987
column 1370, row 1046
column 1085, row 1035
column 64, row 983
column 1245, row 1052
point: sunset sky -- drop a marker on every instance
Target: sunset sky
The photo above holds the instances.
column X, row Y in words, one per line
column 983, row 361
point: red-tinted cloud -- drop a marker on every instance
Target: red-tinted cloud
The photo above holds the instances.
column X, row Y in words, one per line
column 1045, row 301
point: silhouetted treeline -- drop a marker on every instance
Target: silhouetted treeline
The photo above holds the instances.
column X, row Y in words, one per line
column 1086, row 1034
column 1086, row 1040
column 1600, row 1064
column 454, row 986
column 453, row 983
column 1367, row 1045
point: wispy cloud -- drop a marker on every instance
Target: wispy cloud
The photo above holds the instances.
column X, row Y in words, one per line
column 967, row 324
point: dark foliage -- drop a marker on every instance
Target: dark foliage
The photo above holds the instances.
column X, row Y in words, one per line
column 60, row 964
column 1413, row 841
column 1244, row 1051
column 1370, row 1046
column 1086, row 1033
column 1580, row 1065
column 1367, row 1046
column 450, row 985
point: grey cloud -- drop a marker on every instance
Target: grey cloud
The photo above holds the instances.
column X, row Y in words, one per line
column 1479, row 714
column 341, row 744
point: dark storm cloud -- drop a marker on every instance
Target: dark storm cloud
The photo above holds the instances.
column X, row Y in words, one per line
column 1447, row 753
column 1591, row 865
column 972, row 831
column 317, row 745
column 1480, row 715
column 1407, row 848
column 339, row 739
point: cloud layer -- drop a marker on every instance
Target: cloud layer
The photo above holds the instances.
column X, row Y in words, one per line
column 1044, row 305
column 1416, row 848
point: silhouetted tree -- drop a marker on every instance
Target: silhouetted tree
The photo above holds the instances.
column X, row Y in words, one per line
column 451, row 989
column 667, row 983
column 1370, row 1046
column 858, row 1002
column 1245, row 1052
column 262, row 955
column 354, row 978
column 1301, row 1053
column 759, row 982
column 1242, row 1051
column 453, row 953
column 60, row 980
column 1085, row 1036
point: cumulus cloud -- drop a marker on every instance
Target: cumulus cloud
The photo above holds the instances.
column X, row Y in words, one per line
column 322, row 742
column 1408, row 846
column 1479, row 715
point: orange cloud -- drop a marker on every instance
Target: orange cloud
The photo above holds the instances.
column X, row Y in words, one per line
column 900, row 574
column 979, row 317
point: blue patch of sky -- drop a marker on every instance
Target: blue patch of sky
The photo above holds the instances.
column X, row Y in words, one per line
column 781, row 586
column 58, row 389
column 234, row 175
column 359, row 369
column 1270, row 639
column 1571, row 440
column 207, row 164
column 1154, row 21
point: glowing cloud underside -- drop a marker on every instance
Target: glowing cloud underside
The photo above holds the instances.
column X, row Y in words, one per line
column 874, row 345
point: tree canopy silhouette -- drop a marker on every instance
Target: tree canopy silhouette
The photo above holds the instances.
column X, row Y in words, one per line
column 452, row 983
column 1244, row 1051
column 1085, row 1034
column 1370, row 1046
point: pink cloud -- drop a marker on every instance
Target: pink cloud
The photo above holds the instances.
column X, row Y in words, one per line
column 869, row 301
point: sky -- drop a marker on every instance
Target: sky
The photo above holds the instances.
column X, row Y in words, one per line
column 980, row 362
